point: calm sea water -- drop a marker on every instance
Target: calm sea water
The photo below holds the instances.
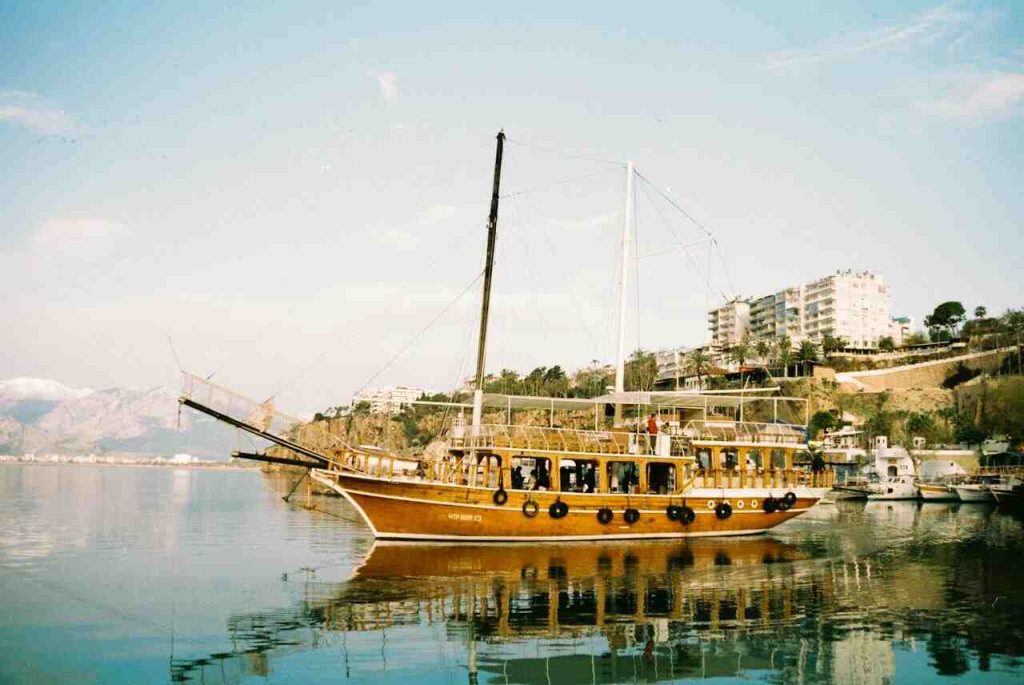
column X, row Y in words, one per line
column 150, row 575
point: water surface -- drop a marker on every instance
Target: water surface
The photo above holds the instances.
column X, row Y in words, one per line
column 155, row 575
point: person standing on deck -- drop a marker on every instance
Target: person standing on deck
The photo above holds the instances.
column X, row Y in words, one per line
column 652, row 432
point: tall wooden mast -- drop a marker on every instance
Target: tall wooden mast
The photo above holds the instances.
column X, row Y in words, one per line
column 492, row 229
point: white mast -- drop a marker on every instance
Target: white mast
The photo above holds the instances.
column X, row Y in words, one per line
column 627, row 232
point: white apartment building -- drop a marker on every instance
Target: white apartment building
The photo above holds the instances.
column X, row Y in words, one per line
column 387, row 400
column 729, row 323
column 776, row 315
column 853, row 305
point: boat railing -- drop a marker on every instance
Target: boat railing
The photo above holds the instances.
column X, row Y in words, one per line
column 554, row 439
column 745, row 431
column 759, row 478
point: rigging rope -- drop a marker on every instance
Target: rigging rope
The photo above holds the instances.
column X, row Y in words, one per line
column 562, row 153
column 420, row 333
column 704, row 274
column 554, row 184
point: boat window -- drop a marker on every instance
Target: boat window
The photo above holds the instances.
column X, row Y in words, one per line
column 661, row 478
column 755, row 460
column 623, row 476
column 577, row 475
column 729, row 458
column 703, row 458
column 531, row 473
column 778, row 459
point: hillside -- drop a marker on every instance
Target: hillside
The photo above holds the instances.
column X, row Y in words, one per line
column 43, row 416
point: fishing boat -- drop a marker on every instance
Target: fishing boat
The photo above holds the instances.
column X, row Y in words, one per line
column 894, row 487
column 974, row 492
column 937, row 492
column 720, row 464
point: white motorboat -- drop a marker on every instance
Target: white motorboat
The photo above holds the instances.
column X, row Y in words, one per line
column 894, row 487
column 974, row 492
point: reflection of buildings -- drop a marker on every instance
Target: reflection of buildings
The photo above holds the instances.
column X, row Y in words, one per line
column 752, row 608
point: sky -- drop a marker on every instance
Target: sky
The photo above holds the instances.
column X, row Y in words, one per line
column 293, row 197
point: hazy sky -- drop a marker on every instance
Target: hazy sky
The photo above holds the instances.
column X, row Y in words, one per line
column 293, row 193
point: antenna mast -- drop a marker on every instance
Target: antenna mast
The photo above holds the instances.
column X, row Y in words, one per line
column 492, row 228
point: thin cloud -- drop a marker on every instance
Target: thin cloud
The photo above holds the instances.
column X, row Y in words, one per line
column 983, row 97
column 31, row 111
column 395, row 238
column 437, row 213
column 387, row 81
column 76, row 236
column 938, row 23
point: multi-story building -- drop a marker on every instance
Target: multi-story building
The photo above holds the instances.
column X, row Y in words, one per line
column 387, row 400
column 776, row 315
column 729, row 323
column 854, row 306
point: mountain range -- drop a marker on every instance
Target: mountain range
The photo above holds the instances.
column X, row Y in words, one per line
column 42, row 416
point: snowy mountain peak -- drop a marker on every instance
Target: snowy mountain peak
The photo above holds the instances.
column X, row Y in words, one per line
column 26, row 388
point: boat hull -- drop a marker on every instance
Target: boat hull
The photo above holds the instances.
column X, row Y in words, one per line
column 420, row 510
column 968, row 493
column 931, row 492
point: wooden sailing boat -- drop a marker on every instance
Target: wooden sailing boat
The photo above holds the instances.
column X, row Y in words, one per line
column 714, row 474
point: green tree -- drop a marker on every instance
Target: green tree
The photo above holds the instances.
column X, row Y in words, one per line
column 591, row 381
column 980, row 312
column 784, row 353
column 806, row 353
column 763, row 349
column 556, row 383
column 948, row 316
column 698, row 363
column 641, row 370
column 533, row 383
column 822, row 420
column 831, row 343
column 886, row 344
column 740, row 353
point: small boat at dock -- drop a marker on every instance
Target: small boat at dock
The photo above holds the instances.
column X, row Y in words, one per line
column 974, row 492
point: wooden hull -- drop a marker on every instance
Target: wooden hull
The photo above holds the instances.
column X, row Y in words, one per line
column 423, row 510
column 934, row 492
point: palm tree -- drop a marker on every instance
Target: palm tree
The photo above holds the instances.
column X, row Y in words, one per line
column 762, row 349
column 784, row 353
column 698, row 363
column 807, row 353
column 740, row 353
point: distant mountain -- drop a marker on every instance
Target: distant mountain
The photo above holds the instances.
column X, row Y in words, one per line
column 47, row 417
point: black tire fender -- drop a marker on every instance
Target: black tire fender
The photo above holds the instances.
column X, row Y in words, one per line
column 770, row 505
column 790, row 499
column 673, row 511
column 631, row 516
column 558, row 509
column 605, row 516
column 500, row 496
column 530, row 508
column 723, row 510
column 686, row 515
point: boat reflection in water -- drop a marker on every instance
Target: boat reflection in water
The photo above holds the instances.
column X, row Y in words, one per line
column 826, row 603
